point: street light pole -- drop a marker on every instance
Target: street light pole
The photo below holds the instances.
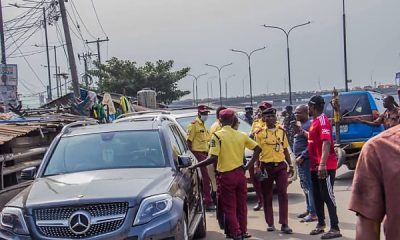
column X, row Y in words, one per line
column 219, row 78
column 346, row 80
column 195, row 78
column 287, row 33
column 249, row 59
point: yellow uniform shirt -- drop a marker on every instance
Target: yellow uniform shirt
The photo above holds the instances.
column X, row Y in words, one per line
column 257, row 125
column 272, row 143
column 215, row 127
column 198, row 134
column 229, row 145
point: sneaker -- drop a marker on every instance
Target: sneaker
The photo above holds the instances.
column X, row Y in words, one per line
column 303, row 215
column 286, row 229
column 309, row 218
column 257, row 207
column 271, row 228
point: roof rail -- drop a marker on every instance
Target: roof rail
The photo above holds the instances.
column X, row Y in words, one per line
column 141, row 113
column 76, row 124
column 157, row 118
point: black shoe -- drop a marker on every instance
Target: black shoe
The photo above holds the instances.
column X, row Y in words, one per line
column 286, row 229
column 210, row 208
column 271, row 228
column 257, row 207
column 246, row 235
column 239, row 237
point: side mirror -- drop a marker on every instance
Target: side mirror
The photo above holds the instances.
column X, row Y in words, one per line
column 28, row 173
column 184, row 162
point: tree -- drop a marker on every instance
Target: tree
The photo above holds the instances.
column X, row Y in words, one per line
column 126, row 77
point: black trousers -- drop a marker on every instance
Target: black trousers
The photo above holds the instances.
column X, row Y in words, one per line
column 323, row 194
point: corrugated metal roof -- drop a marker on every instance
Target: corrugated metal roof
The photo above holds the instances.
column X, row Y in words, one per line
column 10, row 131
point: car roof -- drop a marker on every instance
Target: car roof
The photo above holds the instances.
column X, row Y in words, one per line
column 122, row 126
column 353, row 93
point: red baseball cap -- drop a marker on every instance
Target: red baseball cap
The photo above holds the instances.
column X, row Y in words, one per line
column 202, row 109
column 227, row 114
column 265, row 105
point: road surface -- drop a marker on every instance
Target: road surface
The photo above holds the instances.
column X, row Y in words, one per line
column 257, row 226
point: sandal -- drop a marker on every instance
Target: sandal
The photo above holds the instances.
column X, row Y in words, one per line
column 318, row 230
column 331, row 234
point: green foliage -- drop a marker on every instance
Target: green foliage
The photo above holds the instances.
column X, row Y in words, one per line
column 126, row 77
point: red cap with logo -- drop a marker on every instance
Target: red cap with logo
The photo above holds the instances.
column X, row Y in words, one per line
column 227, row 114
column 265, row 105
column 202, row 109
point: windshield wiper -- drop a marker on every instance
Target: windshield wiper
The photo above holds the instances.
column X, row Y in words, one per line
column 353, row 109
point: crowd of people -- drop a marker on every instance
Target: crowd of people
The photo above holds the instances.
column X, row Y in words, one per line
column 308, row 133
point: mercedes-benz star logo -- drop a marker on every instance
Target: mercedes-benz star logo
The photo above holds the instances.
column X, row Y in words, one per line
column 79, row 222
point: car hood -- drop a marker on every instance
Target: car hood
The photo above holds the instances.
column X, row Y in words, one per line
column 101, row 186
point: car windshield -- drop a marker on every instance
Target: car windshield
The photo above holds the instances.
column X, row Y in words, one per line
column 350, row 105
column 184, row 122
column 111, row 150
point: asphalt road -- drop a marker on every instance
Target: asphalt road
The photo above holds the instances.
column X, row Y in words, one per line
column 257, row 226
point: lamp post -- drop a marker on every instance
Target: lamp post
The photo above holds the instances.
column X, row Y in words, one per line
column 249, row 59
column 226, row 85
column 195, row 78
column 287, row 33
column 346, row 80
column 219, row 78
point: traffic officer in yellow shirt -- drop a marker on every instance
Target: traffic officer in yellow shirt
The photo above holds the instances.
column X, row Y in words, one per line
column 274, row 161
column 258, row 123
column 227, row 149
column 198, row 139
column 211, row 168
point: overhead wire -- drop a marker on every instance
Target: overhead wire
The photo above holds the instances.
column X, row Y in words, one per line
column 83, row 22
column 98, row 19
column 30, row 66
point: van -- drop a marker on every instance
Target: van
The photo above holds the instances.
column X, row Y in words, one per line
column 367, row 105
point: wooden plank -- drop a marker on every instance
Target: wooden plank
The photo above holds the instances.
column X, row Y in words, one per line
column 21, row 166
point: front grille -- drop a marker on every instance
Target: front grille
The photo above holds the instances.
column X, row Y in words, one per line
column 104, row 218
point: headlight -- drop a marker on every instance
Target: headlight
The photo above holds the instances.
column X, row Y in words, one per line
column 12, row 219
column 153, row 207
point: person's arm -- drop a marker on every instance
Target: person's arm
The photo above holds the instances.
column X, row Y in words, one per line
column 322, row 172
column 255, row 158
column 210, row 160
column 190, row 135
column 367, row 229
column 375, row 123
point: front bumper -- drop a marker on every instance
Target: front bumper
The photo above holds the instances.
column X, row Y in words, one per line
column 166, row 226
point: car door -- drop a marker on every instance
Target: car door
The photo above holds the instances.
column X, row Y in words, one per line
column 190, row 177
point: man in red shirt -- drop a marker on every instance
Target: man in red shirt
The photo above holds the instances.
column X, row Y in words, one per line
column 323, row 166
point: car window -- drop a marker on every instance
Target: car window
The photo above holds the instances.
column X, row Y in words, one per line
column 185, row 121
column 127, row 149
column 350, row 105
column 379, row 101
column 181, row 141
column 176, row 149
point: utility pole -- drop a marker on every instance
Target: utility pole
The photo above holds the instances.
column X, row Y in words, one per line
column 226, row 89
column 71, row 55
column 49, row 93
column 3, row 45
column 85, row 57
column 98, row 41
column 57, row 72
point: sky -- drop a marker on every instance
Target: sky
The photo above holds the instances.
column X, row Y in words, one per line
column 195, row 33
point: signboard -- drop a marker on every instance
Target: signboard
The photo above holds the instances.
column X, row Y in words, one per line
column 397, row 80
column 8, row 85
column 9, row 75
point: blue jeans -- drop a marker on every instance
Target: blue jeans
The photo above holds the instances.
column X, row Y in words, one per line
column 306, row 185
